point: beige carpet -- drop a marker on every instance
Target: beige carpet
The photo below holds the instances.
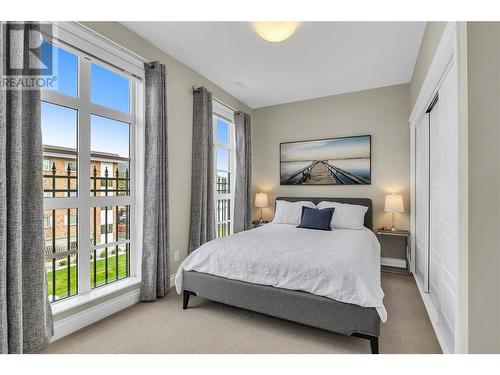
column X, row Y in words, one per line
column 208, row 327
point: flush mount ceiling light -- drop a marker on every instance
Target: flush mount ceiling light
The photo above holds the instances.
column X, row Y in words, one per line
column 275, row 31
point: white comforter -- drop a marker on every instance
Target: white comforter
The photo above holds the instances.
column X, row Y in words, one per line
column 342, row 264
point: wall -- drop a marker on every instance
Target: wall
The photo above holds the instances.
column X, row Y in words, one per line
column 382, row 113
column 180, row 80
column 483, row 70
column 430, row 41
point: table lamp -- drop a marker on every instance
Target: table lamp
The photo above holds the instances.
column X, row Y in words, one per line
column 393, row 204
column 261, row 202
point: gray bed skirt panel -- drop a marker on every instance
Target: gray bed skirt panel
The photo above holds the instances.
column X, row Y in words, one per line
column 296, row 306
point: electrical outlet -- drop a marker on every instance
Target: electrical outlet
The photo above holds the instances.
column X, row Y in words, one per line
column 176, row 256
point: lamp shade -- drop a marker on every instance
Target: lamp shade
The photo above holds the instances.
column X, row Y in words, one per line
column 261, row 200
column 394, row 203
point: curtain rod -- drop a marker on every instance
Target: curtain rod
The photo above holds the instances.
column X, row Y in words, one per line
column 110, row 41
column 196, row 88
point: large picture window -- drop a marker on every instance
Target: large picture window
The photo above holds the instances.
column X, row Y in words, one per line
column 89, row 127
column 224, row 141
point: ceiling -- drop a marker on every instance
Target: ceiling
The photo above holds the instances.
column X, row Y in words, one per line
column 320, row 59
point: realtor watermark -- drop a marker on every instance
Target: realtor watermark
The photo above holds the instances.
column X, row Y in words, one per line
column 28, row 82
column 31, row 61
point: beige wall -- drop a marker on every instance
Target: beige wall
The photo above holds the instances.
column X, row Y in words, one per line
column 180, row 79
column 430, row 41
column 483, row 61
column 382, row 113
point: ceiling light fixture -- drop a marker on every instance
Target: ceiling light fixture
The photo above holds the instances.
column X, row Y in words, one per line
column 275, row 31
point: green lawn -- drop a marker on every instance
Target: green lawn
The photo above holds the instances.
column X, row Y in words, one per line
column 62, row 275
column 223, row 230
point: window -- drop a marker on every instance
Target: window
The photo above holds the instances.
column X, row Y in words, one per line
column 59, row 134
column 47, row 165
column 109, row 89
column 89, row 130
column 70, row 166
column 223, row 124
column 47, row 222
column 111, row 227
column 106, row 229
column 72, row 220
column 61, row 253
column 67, row 69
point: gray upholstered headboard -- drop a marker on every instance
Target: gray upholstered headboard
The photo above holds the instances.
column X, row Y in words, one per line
column 359, row 201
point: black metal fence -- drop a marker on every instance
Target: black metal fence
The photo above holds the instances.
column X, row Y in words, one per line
column 53, row 177
column 223, row 184
column 223, row 209
column 223, row 217
column 59, row 253
column 110, row 272
column 120, row 183
column 117, row 183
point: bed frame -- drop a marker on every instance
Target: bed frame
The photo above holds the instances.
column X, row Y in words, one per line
column 292, row 305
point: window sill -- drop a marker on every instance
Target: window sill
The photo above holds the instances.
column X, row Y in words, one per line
column 104, row 291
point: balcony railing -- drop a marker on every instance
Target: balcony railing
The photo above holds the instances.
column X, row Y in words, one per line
column 223, row 207
column 61, row 254
column 223, row 184
column 109, row 258
column 117, row 183
column 110, row 263
column 223, row 211
column 120, row 183
column 68, row 177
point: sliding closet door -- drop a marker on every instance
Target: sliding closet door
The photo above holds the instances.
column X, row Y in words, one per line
column 444, row 202
column 422, row 202
column 435, row 118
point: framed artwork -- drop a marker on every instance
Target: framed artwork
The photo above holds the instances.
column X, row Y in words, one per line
column 331, row 161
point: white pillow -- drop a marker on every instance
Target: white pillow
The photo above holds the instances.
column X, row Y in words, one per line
column 290, row 212
column 346, row 216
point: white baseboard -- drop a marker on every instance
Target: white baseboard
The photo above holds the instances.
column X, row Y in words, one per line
column 93, row 314
column 393, row 262
column 431, row 311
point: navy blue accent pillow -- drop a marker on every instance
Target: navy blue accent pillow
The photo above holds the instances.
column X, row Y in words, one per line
column 312, row 218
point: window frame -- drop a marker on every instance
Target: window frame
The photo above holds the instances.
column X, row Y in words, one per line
column 47, row 222
column 75, row 39
column 48, row 167
column 226, row 114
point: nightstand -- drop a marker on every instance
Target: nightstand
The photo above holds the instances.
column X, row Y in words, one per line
column 405, row 236
column 257, row 223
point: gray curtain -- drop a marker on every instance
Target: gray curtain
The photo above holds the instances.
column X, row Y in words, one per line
column 26, row 323
column 202, row 174
column 155, row 249
column 243, row 182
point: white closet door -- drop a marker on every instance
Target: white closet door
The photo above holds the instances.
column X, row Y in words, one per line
column 435, row 117
column 422, row 202
column 444, row 224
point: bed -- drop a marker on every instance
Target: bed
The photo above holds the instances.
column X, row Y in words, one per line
column 295, row 274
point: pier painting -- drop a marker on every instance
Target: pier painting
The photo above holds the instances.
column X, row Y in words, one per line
column 333, row 161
